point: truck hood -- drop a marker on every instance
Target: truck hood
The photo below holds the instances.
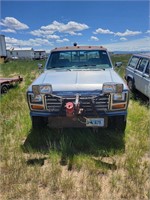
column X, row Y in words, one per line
column 78, row 80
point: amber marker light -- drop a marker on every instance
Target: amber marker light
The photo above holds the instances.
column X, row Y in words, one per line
column 37, row 107
column 118, row 106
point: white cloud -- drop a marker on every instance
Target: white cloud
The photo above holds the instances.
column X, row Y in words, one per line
column 123, row 39
column 70, row 28
column 8, row 30
column 66, row 40
column 128, row 33
column 103, row 31
column 134, row 45
column 13, row 23
column 94, row 38
column 52, row 37
column 37, row 42
column 41, row 33
column 79, row 34
column 63, row 40
column 73, row 33
column 148, row 31
column 45, row 34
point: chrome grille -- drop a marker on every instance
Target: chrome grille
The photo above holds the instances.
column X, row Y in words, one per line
column 53, row 104
column 91, row 105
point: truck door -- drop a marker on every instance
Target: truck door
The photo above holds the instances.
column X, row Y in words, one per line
column 146, row 80
column 141, row 79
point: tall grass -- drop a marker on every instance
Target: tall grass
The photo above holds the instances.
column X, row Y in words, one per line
column 121, row 58
column 74, row 164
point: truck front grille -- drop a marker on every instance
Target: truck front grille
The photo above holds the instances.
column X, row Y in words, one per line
column 90, row 105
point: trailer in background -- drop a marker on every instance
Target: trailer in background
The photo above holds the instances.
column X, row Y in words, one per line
column 39, row 54
column 20, row 53
column 7, row 83
column 3, row 54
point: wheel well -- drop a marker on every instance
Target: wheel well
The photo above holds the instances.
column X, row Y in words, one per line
column 133, row 87
column 130, row 78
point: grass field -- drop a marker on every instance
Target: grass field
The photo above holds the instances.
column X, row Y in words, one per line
column 76, row 164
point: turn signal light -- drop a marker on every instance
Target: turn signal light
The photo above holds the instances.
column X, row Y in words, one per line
column 37, row 107
column 118, row 106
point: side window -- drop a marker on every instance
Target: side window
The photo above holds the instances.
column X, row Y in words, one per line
column 147, row 71
column 133, row 62
column 143, row 63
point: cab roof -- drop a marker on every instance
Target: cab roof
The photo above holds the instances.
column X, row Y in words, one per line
column 143, row 55
column 79, row 48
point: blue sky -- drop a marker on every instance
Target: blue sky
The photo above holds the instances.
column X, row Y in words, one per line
column 117, row 25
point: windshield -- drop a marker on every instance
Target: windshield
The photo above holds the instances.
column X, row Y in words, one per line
column 79, row 60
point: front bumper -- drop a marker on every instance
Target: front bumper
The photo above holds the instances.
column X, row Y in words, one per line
column 76, row 121
column 105, row 114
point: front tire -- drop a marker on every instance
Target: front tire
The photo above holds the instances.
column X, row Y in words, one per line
column 131, row 85
column 4, row 89
column 38, row 122
column 117, row 123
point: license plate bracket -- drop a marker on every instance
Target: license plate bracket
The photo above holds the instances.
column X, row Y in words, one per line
column 95, row 122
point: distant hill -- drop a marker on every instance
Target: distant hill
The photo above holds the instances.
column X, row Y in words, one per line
column 128, row 52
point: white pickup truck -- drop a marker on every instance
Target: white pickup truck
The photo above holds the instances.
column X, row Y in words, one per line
column 78, row 88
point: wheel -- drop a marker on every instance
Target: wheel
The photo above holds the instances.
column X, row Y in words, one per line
column 117, row 123
column 38, row 122
column 4, row 89
column 131, row 85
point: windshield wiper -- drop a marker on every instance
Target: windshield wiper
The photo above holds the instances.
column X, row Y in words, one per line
column 90, row 67
column 60, row 67
column 55, row 67
column 85, row 65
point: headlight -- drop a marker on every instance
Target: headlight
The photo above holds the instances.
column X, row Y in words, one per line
column 119, row 97
column 36, row 98
column 35, row 89
column 112, row 88
column 41, row 89
column 45, row 89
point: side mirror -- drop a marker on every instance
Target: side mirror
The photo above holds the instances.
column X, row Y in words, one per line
column 40, row 66
column 118, row 64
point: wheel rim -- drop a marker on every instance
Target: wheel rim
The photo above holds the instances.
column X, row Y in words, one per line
column 4, row 89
